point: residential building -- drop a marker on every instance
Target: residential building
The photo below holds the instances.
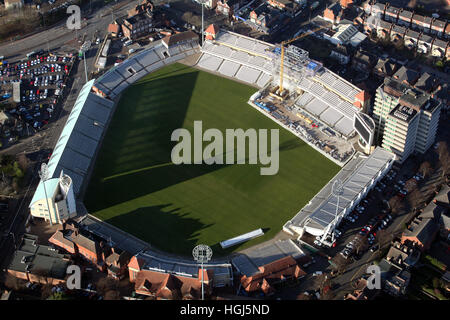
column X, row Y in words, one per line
column 290, row 7
column 385, row 68
column 397, row 284
column 341, row 54
column 440, row 49
column 411, row 126
column 228, row 7
column 363, row 61
column 386, row 99
column 54, row 200
column 427, row 82
column 138, row 25
column 263, row 268
column 75, row 242
column 424, row 44
column 397, row 33
column 422, row 231
column 266, row 18
column 411, row 39
column 391, row 14
column 405, row 18
column 406, row 75
column 384, row 30
column 402, row 255
column 38, row 263
column 333, row 13
column 438, row 27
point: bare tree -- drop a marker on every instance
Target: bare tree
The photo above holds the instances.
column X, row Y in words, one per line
column 187, row 16
column 415, row 198
column 396, row 204
column 23, row 162
column 384, row 237
column 106, row 284
column 443, row 157
column 425, row 168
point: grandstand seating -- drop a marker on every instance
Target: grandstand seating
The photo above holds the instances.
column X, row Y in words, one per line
column 239, row 57
column 118, row 78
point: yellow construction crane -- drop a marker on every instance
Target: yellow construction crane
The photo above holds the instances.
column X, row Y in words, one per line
column 282, row 53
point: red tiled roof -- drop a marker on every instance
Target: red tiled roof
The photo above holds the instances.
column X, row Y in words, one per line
column 135, row 263
column 58, row 240
column 212, row 29
column 165, row 285
column 362, row 96
column 113, row 28
column 280, row 269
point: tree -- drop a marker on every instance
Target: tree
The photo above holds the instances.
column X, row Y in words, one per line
column 384, row 237
column 425, row 168
column 395, row 203
column 443, row 157
column 23, row 162
column 415, row 198
column 187, row 16
column 106, row 284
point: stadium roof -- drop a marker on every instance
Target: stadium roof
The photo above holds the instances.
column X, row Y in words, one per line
column 357, row 176
column 249, row 263
column 79, row 138
column 50, row 187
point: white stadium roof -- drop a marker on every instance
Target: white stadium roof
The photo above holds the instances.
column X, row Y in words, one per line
column 358, row 176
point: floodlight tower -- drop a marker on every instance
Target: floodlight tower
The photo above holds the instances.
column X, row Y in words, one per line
column 337, row 190
column 44, row 175
column 202, row 254
column 202, row 3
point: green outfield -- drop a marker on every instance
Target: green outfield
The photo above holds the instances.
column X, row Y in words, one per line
column 135, row 187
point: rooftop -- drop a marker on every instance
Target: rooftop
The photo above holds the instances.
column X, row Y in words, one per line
column 356, row 175
column 38, row 259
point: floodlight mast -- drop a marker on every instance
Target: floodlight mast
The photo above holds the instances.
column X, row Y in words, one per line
column 337, row 189
column 44, row 175
column 202, row 253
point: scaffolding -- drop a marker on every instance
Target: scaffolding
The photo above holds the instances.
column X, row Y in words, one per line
column 295, row 61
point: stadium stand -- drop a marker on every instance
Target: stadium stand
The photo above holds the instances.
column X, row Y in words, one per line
column 236, row 56
column 222, row 271
column 118, row 78
column 79, row 140
column 358, row 176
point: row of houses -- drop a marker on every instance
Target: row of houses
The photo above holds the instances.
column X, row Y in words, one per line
column 258, row 271
column 414, row 40
column 410, row 19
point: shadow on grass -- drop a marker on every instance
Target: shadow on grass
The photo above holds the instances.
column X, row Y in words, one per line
column 135, row 156
column 174, row 232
